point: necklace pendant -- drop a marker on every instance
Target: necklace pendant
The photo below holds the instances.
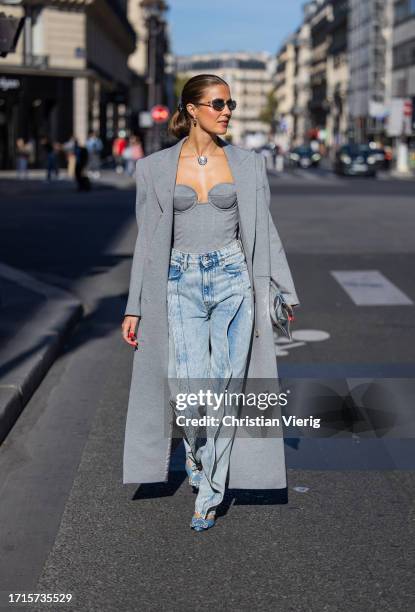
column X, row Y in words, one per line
column 202, row 160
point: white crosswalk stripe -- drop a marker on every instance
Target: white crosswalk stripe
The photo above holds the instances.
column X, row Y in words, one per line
column 370, row 288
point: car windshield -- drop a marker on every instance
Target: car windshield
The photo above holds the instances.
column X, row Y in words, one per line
column 303, row 150
column 357, row 149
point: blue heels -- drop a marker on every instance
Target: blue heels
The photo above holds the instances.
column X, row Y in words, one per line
column 193, row 473
column 198, row 523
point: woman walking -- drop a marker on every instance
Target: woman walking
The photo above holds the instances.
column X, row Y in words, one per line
column 205, row 254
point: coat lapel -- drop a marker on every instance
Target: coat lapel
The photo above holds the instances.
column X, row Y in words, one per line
column 164, row 167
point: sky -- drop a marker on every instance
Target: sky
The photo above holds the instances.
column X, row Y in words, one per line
column 202, row 26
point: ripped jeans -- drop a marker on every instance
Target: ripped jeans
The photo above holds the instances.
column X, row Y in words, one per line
column 210, row 324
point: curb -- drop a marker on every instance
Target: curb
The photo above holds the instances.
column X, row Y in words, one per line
column 35, row 183
column 25, row 360
column 403, row 176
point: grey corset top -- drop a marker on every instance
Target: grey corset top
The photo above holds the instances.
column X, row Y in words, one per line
column 200, row 227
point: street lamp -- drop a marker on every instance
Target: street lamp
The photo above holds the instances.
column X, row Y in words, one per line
column 26, row 21
column 153, row 12
column 10, row 28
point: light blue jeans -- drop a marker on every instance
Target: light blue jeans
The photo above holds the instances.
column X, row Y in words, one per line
column 210, row 323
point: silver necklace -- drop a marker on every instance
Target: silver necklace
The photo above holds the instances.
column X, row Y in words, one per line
column 202, row 160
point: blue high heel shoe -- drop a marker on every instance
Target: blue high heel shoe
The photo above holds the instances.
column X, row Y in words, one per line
column 198, row 523
column 193, row 473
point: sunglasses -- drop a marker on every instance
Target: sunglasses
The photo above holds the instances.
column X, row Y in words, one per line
column 218, row 104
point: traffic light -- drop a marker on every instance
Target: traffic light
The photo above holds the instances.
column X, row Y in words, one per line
column 10, row 28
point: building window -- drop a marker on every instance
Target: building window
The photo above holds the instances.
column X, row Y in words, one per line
column 404, row 9
column 404, row 54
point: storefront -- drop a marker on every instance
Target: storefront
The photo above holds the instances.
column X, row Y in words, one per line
column 33, row 106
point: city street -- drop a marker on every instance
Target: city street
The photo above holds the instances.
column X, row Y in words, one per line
column 69, row 525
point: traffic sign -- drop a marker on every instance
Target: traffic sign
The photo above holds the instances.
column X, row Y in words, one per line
column 407, row 108
column 160, row 113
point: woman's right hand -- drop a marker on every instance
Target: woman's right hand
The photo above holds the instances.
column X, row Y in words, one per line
column 129, row 326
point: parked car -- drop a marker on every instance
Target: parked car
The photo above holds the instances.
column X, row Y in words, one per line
column 304, row 157
column 383, row 157
column 379, row 157
column 356, row 160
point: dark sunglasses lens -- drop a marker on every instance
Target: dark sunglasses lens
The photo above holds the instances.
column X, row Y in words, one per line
column 218, row 104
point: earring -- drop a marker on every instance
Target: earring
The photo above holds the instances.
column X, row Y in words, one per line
column 194, row 122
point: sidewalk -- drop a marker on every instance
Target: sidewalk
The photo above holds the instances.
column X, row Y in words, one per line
column 409, row 176
column 34, row 321
column 11, row 185
column 35, row 317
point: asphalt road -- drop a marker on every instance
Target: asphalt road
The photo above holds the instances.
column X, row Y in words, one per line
column 341, row 539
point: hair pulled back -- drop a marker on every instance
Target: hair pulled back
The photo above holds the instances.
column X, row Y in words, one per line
column 193, row 91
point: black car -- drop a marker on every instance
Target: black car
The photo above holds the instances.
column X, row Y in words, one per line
column 356, row 160
column 383, row 158
column 304, row 157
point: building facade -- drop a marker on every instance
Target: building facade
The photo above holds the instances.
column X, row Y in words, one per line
column 403, row 84
column 403, row 75
column 312, row 77
column 285, row 92
column 337, row 75
column 370, row 59
column 69, row 74
column 301, row 116
column 319, row 18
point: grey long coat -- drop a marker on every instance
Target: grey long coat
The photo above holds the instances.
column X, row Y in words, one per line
column 256, row 463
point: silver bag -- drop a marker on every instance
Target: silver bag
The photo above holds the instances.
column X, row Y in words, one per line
column 279, row 310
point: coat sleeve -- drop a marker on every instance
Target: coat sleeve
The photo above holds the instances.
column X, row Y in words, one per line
column 280, row 270
column 136, row 276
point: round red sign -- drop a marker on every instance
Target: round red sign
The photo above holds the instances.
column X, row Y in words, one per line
column 160, row 113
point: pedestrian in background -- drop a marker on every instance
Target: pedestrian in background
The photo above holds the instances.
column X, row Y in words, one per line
column 273, row 148
column 81, row 155
column 49, row 149
column 118, row 147
column 94, row 146
column 132, row 153
column 22, row 158
column 69, row 149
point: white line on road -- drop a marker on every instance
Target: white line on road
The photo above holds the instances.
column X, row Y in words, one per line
column 370, row 288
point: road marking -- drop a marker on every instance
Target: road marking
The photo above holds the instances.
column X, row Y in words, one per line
column 370, row 288
column 300, row 338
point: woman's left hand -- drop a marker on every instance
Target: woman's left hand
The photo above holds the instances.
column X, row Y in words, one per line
column 290, row 309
